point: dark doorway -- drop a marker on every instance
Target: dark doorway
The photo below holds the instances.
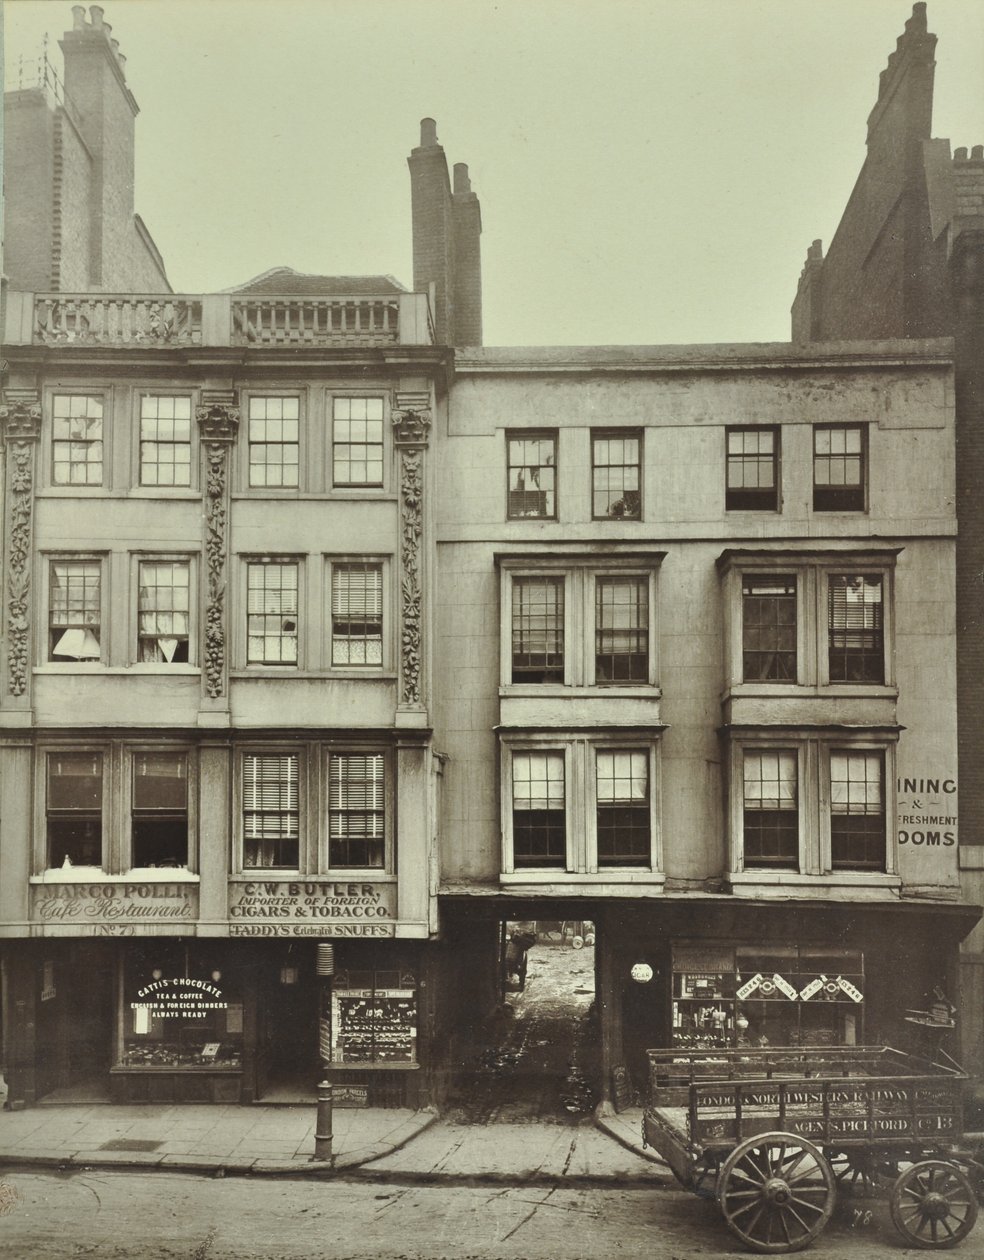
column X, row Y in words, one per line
column 76, row 1008
column 288, row 1062
column 538, row 1057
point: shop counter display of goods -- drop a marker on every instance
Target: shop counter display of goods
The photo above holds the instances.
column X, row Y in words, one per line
column 771, row 1133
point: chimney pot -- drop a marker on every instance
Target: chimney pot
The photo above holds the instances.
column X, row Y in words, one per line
column 977, row 152
column 462, row 184
column 960, row 154
column 78, row 16
column 116, row 45
column 428, row 133
column 96, row 13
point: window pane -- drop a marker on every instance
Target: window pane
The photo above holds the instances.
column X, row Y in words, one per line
column 539, row 828
column 357, row 614
column 357, row 441
column 857, row 810
column 839, row 468
column 356, row 810
column 74, row 809
column 752, row 480
column 622, row 784
column 621, row 629
column 769, row 629
column 77, row 440
column 160, row 809
column 273, row 442
column 615, row 476
column 163, row 610
column 538, row 630
column 165, row 440
column 855, row 628
column 74, row 629
column 271, row 614
column 270, row 810
column 531, row 471
column 771, row 824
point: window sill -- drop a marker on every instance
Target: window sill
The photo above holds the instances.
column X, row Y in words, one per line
column 601, row 691
column 637, row 880
column 96, row 875
column 128, row 671
column 369, row 674
column 253, row 874
column 802, row 691
column 355, row 494
column 767, row 883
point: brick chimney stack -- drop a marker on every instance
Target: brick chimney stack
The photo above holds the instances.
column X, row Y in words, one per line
column 446, row 232
column 468, row 260
column 95, row 82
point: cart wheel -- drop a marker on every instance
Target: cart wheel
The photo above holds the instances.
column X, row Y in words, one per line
column 577, row 942
column 854, row 1171
column 776, row 1192
column 933, row 1205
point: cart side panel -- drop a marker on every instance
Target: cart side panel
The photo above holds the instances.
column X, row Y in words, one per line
column 666, row 1132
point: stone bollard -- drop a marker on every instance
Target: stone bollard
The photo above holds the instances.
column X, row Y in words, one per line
column 322, row 1132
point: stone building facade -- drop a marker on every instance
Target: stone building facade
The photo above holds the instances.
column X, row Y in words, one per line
column 695, row 614
column 907, row 260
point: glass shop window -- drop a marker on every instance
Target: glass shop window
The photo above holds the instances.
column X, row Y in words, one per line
column 374, row 1017
column 181, row 1010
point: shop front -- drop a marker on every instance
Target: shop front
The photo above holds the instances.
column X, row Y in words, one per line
column 727, row 975
column 173, row 1020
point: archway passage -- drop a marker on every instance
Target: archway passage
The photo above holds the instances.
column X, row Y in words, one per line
column 538, row 1057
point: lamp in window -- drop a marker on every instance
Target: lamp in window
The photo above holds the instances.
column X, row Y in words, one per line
column 77, row 645
column 216, row 975
column 288, row 975
column 157, row 973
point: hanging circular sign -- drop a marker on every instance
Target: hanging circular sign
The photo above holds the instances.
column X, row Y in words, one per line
column 642, row 973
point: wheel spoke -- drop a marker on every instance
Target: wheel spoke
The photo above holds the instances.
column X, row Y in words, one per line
column 805, row 1203
column 740, row 1172
column 803, row 1224
column 746, row 1207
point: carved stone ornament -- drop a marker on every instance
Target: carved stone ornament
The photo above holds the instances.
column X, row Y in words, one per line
column 20, row 420
column 218, row 418
column 411, row 425
column 411, row 519
column 20, row 415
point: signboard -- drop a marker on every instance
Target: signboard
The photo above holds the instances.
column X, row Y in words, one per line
column 113, row 905
column 178, row 997
column 927, row 811
column 311, row 908
column 350, row 1096
column 622, row 1095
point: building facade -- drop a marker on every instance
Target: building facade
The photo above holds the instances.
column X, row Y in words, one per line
column 695, row 614
column 907, row 260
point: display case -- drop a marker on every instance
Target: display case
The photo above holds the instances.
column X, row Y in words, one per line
column 374, row 1017
column 780, row 995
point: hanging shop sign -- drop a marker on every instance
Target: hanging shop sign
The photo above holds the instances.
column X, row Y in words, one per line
column 113, row 904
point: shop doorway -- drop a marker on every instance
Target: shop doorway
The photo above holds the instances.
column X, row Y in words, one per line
column 76, row 1009
column 288, row 1061
column 538, row 1058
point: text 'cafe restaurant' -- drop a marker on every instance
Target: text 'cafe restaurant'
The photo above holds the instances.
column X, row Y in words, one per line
column 128, row 991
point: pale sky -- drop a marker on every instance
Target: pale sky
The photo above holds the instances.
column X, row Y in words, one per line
column 649, row 172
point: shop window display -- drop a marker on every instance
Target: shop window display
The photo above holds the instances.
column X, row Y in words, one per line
column 766, row 996
column 374, row 1017
column 180, row 1011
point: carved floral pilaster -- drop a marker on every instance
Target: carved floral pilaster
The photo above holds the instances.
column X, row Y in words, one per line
column 20, row 423
column 218, row 422
column 411, row 429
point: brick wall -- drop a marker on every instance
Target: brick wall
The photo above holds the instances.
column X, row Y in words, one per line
column 28, row 154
